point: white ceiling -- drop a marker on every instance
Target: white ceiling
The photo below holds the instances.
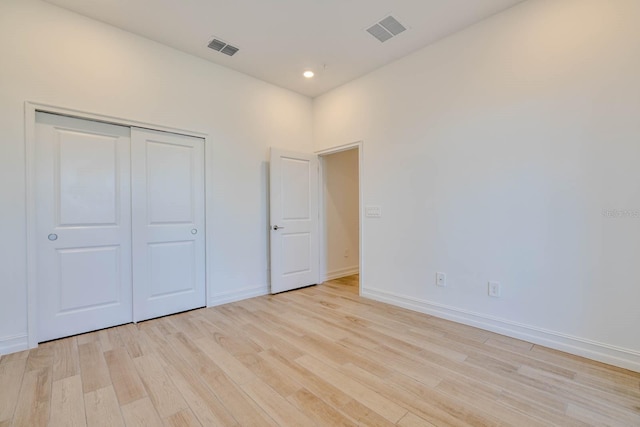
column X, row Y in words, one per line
column 279, row 39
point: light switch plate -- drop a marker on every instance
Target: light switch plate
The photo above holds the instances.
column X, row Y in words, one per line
column 373, row 211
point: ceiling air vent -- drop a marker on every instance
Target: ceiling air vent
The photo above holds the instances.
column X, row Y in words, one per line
column 222, row 47
column 386, row 29
column 229, row 50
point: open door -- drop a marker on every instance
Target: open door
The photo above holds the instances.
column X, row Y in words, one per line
column 294, row 220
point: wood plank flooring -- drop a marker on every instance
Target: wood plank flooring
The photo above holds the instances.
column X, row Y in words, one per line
column 316, row 356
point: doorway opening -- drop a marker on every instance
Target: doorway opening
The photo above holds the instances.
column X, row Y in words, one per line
column 340, row 216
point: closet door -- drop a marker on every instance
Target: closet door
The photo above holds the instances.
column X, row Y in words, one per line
column 83, row 225
column 168, row 223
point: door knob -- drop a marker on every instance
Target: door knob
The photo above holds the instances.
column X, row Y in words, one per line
column 194, row 231
column 275, row 227
column 53, row 237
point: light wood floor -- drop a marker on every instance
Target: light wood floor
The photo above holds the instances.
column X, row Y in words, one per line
column 315, row 356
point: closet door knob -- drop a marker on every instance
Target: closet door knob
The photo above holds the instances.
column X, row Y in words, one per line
column 53, row 237
column 194, row 231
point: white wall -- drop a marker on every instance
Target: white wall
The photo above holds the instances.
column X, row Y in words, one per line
column 341, row 208
column 493, row 154
column 52, row 56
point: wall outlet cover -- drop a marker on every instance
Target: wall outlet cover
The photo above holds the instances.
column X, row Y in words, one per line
column 494, row 289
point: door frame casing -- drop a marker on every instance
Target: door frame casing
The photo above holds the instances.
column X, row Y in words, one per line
column 359, row 145
column 30, row 109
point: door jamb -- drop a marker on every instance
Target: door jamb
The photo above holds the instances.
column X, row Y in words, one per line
column 359, row 145
column 30, row 110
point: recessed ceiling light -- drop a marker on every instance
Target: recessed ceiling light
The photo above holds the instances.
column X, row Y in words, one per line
column 308, row 74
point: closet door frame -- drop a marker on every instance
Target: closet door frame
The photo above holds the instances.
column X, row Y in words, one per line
column 30, row 109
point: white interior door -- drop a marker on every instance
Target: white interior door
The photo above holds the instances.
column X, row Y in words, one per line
column 294, row 220
column 168, row 223
column 83, row 225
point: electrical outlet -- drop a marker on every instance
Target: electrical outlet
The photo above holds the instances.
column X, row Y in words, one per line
column 494, row 289
column 441, row 279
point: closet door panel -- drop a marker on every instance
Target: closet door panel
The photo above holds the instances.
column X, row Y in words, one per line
column 83, row 226
column 168, row 223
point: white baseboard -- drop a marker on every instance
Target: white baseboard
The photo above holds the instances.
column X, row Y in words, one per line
column 342, row 272
column 606, row 353
column 237, row 295
column 14, row 344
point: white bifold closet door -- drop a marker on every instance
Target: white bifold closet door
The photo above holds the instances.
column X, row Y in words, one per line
column 120, row 224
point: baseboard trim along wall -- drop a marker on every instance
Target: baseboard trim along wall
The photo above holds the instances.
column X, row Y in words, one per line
column 14, row 344
column 237, row 295
column 621, row 357
column 342, row 272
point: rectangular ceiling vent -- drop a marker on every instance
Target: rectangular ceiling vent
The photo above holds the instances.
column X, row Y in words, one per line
column 385, row 29
column 222, row 47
